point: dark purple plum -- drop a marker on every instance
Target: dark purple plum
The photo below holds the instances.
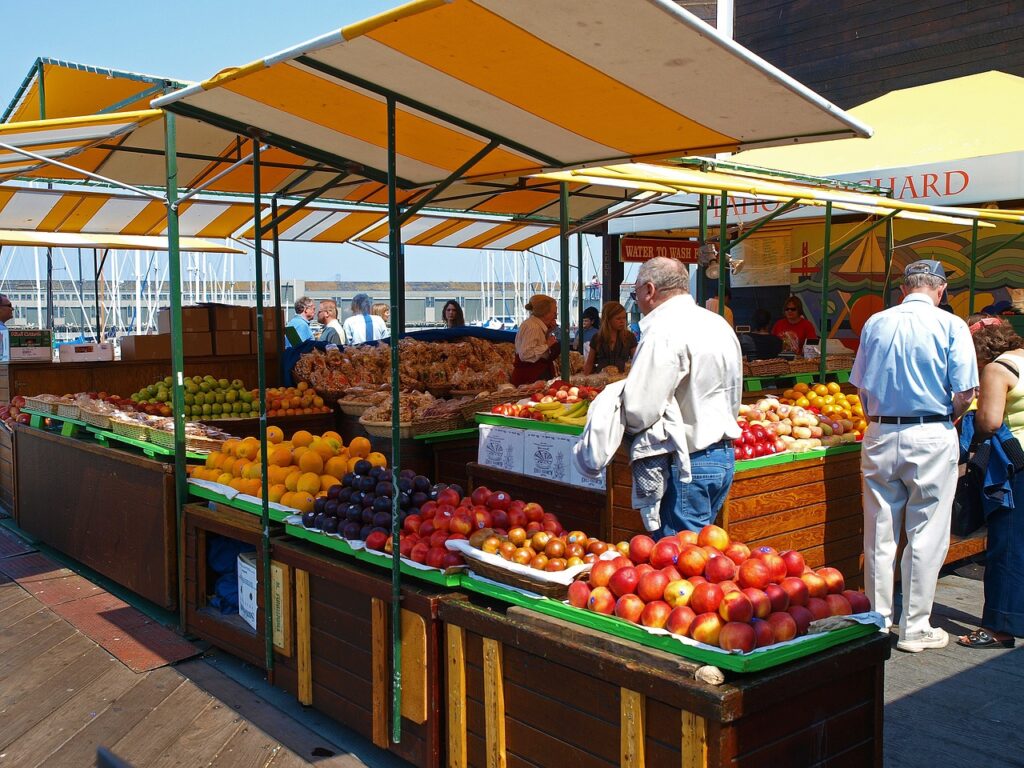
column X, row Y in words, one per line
column 308, row 519
column 330, row 525
column 421, row 484
column 351, row 530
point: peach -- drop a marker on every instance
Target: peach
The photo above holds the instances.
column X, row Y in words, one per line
column 737, row 551
column 643, row 568
column 640, row 547
column 819, row 608
column 737, row 636
column 680, row 620
column 760, row 601
column 796, row 589
column 833, row 579
column 763, row 634
column 672, row 573
column 624, row 581
column 687, row 537
column 838, row 605
column 706, row 628
column 712, row 535
column 651, row 586
column 776, row 566
column 778, row 597
column 728, row 586
column 601, row 572
column 720, row 569
column 794, row 562
column 691, row 561
column 665, row 553
column 629, row 607
column 736, row 606
column 706, row 598
column 579, row 594
column 754, row 573
column 655, row 614
column 784, row 626
column 859, row 602
column 601, row 600
column 816, row 586
column 762, row 551
column 678, row 592
column 802, row 617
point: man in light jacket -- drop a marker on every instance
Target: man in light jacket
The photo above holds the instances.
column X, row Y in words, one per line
column 691, row 355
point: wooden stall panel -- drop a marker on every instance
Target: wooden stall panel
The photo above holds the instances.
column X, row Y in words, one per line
column 8, row 490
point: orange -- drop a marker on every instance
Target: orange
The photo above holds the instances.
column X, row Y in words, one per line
column 336, row 466
column 803, row 402
column 359, row 447
column 832, row 387
column 318, row 402
column 286, row 499
column 276, row 491
column 248, row 448
column 302, row 386
column 279, row 457
column 309, row 482
column 326, row 481
column 325, row 449
column 301, row 438
column 224, row 478
column 238, row 466
column 230, row 446
column 254, row 487
column 277, row 475
column 274, row 435
column 820, row 389
column 212, row 460
column 292, row 481
column 330, row 434
column 252, row 472
column 311, row 461
column 801, row 387
column 302, row 502
column 377, row 459
column 238, row 484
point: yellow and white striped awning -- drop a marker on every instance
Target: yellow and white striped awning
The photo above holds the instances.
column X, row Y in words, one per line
column 62, row 138
column 100, row 213
column 553, row 84
column 17, row 238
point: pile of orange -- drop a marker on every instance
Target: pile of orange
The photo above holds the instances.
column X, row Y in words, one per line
column 830, row 400
column 290, row 401
column 298, row 470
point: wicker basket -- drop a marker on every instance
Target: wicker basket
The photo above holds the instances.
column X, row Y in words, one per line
column 42, row 406
column 439, row 390
column 769, row 367
column 94, row 418
column 840, row 362
column 488, row 401
column 165, row 439
column 804, row 365
column 354, row 407
column 465, row 392
column 68, row 410
column 446, row 423
column 130, row 429
column 383, row 428
column 520, row 581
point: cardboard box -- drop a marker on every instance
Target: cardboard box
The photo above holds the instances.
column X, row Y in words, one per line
column 269, row 343
column 196, row 344
column 155, row 347
column 233, row 342
column 501, row 448
column 70, row 353
column 247, row 585
column 30, row 337
column 193, row 319
column 224, row 317
column 32, row 354
column 548, row 455
column 271, row 319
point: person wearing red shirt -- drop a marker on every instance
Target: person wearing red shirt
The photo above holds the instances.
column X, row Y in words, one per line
column 794, row 329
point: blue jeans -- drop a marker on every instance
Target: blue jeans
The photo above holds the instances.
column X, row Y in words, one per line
column 690, row 506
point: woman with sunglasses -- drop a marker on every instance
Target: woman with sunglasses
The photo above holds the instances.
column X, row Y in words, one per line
column 794, row 329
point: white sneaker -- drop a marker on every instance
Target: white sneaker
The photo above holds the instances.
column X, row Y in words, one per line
column 933, row 638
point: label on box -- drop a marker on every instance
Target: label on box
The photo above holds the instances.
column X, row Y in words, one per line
column 548, row 455
column 247, row 583
column 585, row 481
column 30, row 337
column 501, row 448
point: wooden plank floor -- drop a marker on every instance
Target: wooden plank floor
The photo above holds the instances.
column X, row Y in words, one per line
column 61, row 696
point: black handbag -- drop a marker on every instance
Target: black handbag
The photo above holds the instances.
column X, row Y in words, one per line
column 968, row 515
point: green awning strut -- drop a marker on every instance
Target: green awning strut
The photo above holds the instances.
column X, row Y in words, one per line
column 563, row 251
column 825, row 266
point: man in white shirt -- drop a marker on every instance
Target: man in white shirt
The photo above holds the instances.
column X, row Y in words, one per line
column 692, row 355
column 6, row 313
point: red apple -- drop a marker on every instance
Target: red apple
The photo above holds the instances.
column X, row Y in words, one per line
column 448, row 496
column 706, row 598
column 640, row 548
column 412, row 523
column 760, row 600
column 728, row 586
column 794, row 562
column 737, row 636
column 460, row 523
column 763, row 634
column 665, row 553
column 802, row 617
column 838, row 605
column 419, row 552
column 679, row 621
column 720, row 569
column 713, row 536
column 678, row 592
column 778, row 596
column 602, row 571
column 452, row 559
column 435, row 556
column 652, row 586
column 644, row 568
column 601, row 601
column 480, row 494
column 695, row 580
column 737, row 551
column 672, row 573
column 784, row 625
column 819, row 608
column 796, row 589
column 776, row 566
column 534, row 512
column 706, row 628
column 655, row 614
column 762, row 551
column 833, row 579
column 500, row 500
column 691, row 561
column 579, row 594
column 755, row 573
column 736, row 606
column 517, row 518
column 427, row 509
column 624, row 581
column 859, row 602
column 376, row 540
column 687, row 537
column 712, row 551
column 629, row 607
column 499, row 519
column 816, row 586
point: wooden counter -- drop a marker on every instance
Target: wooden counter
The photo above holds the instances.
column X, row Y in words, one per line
column 525, row 689
column 121, row 377
column 109, row 509
column 8, row 462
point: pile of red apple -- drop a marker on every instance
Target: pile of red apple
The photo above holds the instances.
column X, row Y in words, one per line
column 716, row 591
column 11, row 412
column 564, row 392
column 755, row 440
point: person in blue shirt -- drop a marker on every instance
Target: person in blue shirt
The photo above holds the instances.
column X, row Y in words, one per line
column 305, row 308
column 6, row 313
column 917, row 374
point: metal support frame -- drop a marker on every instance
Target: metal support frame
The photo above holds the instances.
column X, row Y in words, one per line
column 724, row 246
column 396, row 270
column 261, row 378
column 788, row 206
column 563, row 249
column 579, row 288
column 278, row 325
column 890, row 248
column 823, row 328
column 702, row 238
column 196, row 190
column 276, row 220
column 413, row 208
column 973, row 277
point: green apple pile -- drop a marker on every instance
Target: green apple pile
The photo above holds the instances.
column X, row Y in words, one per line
column 205, row 397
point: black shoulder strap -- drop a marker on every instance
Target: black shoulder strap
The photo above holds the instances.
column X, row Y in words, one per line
column 1011, row 368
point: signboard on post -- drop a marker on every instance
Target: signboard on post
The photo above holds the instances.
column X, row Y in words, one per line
column 640, row 249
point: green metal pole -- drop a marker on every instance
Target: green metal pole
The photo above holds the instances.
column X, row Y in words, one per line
column 395, row 275
column 703, row 239
column 49, row 249
column 974, row 268
column 890, row 248
column 278, row 322
column 579, row 286
column 563, row 252
column 723, row 251
column 825, row 256
column 177, row 349
column 261, row 379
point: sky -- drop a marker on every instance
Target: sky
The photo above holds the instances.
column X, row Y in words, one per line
column 192, row 40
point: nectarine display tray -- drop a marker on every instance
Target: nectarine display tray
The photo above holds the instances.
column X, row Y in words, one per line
column 755, row 661
column 517, row 423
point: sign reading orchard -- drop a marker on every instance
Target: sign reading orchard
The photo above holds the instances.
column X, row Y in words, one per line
column 639, row 249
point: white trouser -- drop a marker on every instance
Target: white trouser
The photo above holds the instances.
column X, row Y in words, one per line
column 910, row 474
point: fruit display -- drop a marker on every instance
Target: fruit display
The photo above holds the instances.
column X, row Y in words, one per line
column 541, row 543
column 11, row 412
column 771, row 426
column 205, row 397
column 828, row 400
column 291, row 401
column 560, row 403
column 715, row 590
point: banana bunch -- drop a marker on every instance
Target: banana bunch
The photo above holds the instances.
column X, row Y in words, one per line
column 575, row 416
column 550, row 410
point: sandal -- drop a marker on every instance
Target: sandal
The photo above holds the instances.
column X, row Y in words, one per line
column 982, row 638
